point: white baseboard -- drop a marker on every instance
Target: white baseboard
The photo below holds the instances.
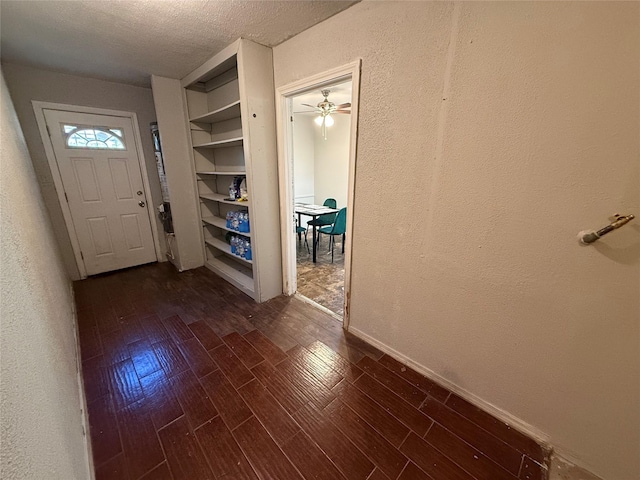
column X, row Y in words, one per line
column 81, row 392
column 497, row 412
column 563, row 469
column 564, row 465
column 304, row 199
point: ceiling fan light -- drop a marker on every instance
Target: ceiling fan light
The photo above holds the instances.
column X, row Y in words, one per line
column 318, row 120
column 329, row 120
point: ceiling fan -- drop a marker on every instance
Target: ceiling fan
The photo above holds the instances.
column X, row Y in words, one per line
column 325, row 109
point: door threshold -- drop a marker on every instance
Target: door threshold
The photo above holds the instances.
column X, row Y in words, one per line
column 320, row 307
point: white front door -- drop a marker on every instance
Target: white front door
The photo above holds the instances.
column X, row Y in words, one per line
column 98, row 162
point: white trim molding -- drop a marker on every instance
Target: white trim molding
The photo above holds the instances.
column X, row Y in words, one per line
column 350, row 71
column 497, row 412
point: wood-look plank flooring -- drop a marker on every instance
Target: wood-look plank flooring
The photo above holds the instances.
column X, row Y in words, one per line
column 188, row 378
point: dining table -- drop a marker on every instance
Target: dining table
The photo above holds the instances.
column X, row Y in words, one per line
column 313, row 211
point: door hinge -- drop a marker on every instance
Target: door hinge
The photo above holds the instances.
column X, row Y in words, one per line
column 65, row 197
column 81, row 256
column 48, row 131
column 291, row 118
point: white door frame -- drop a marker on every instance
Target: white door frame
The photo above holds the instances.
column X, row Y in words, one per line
column 350, row 71
column 38, row 108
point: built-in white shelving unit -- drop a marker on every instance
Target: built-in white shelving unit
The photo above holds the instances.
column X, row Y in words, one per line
column 222, row 225
column 224, row 143
column 219, row 244
column 221, row 114
column 234, row 173
column 231, row 119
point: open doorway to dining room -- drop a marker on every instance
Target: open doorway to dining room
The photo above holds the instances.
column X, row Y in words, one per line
column 320, row 179
column 317, row 121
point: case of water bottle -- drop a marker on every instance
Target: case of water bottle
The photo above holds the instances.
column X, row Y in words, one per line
column 238, row 221
column 241, row 246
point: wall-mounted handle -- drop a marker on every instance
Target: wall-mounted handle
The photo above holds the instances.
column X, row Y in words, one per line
column 589, row 236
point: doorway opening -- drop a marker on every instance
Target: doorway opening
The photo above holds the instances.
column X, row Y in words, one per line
column 317, row 122
column 98, row 169
column 320, row 149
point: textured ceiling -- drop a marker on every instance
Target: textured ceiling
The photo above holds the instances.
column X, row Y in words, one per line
column 129, row 40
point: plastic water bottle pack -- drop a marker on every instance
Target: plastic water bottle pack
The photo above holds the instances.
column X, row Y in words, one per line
column 241, row 247
column 238, row 221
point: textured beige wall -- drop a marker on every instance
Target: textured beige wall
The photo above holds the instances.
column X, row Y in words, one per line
column 27, row 84
column 332, row 161
column 510, row 127
column 40, row 408
column 303, row 159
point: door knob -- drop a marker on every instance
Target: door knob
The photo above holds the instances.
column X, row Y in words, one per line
column 141, row 203
column 139, row 192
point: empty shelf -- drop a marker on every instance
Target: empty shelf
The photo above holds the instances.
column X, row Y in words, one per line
column 220, row 115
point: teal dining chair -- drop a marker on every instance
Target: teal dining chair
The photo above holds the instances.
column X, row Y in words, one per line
column 299, row 231
column 339, row 227
column 324, row 220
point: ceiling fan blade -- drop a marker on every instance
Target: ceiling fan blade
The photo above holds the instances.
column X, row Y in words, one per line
column 348, row 112
column 306, row 111
column 343, row 105
column 312, row 106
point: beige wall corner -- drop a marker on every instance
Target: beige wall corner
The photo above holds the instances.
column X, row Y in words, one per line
column 41, row 400
column 509, row 127
column 176, row 151
column 28, row 83
column 562, row 469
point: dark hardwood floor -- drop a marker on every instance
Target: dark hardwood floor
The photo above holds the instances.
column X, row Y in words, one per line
column 188, row 378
